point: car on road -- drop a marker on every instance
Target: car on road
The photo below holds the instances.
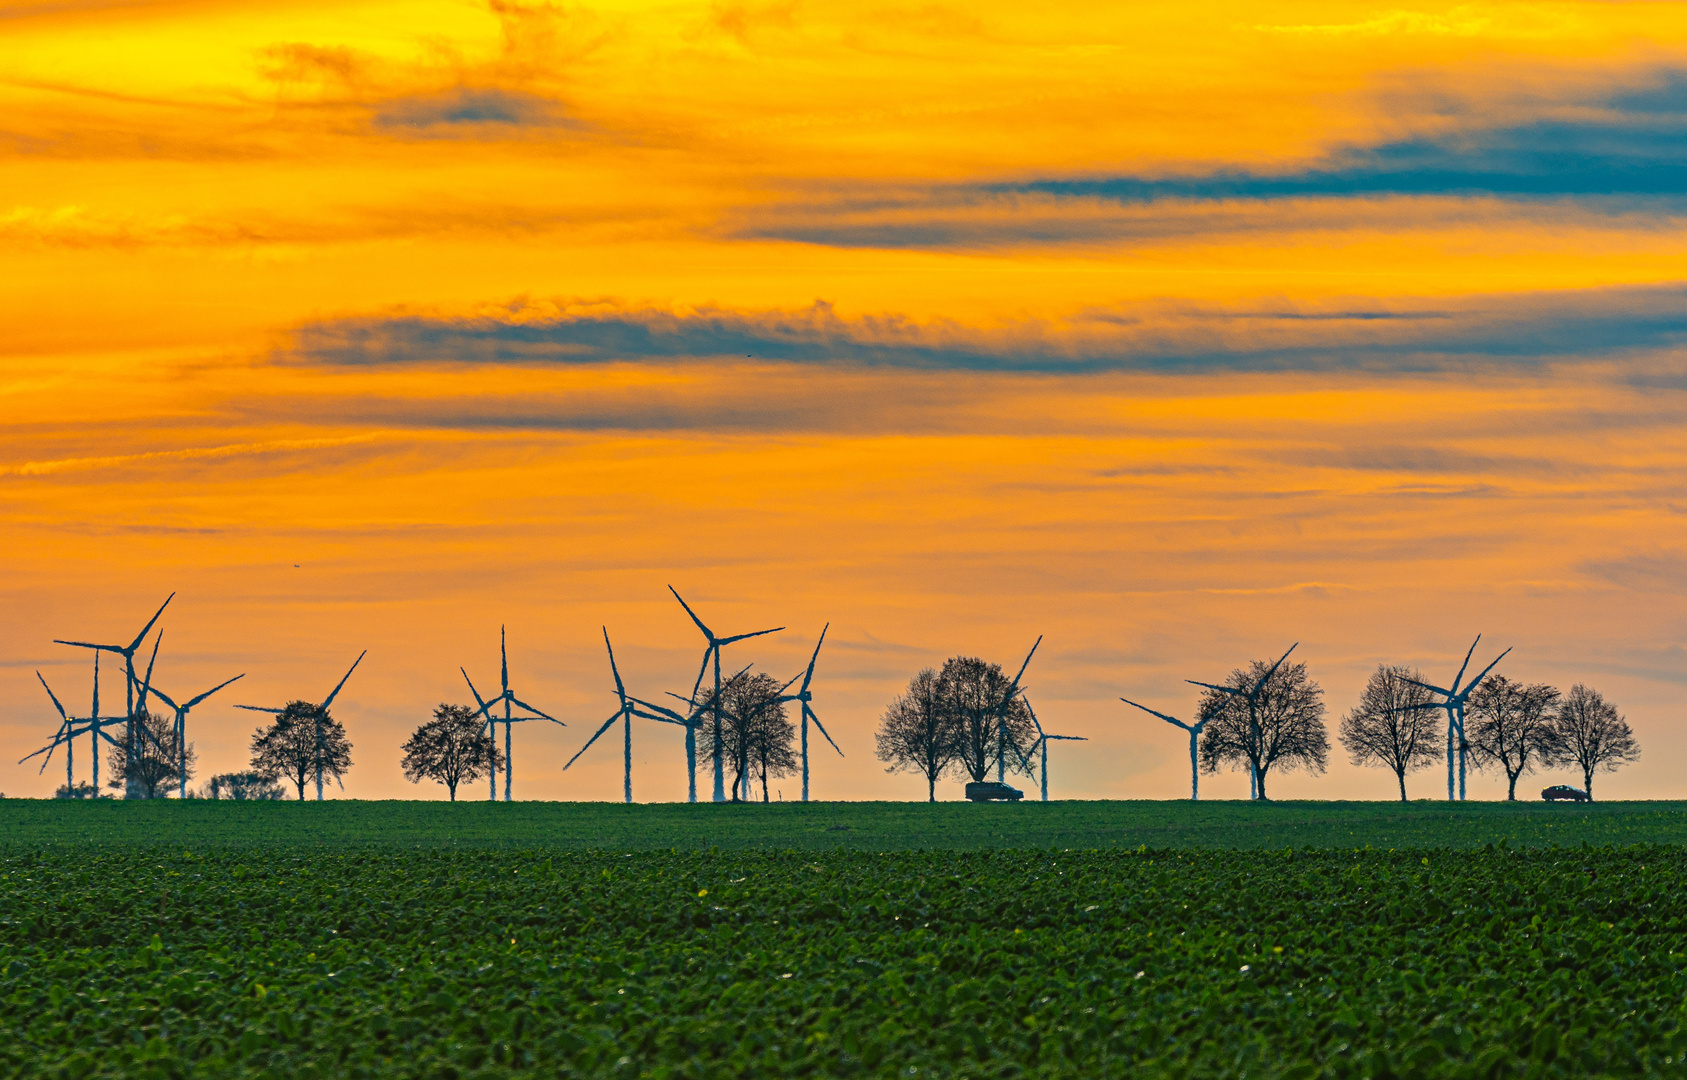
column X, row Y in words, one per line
column 990, row 790
column 1564, row 791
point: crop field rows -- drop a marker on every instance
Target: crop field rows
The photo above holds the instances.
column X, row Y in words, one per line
column 296, row 962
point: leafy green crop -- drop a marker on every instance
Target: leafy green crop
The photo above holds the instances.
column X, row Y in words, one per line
column 437, row 963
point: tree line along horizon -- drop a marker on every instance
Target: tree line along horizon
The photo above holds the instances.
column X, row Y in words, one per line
column 966, row 719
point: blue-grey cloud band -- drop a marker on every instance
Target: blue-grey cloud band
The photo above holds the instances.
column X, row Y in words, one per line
column 1446, row 333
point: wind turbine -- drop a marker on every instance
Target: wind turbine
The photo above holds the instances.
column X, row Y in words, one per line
column 67, row 733
column 713, row 651
column 319, row 712
column 625, row 713
column 127, row 652
column 691, row 721
column 181, row 725
column 509, row 719
column 1455, row 702
column 806, row 698
column 1042, row 744
column 1252, row 698
column 1002, row 717
column 1194, row 736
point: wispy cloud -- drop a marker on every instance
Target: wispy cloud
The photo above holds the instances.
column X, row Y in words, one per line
column 464, row 109
column 1359, row 335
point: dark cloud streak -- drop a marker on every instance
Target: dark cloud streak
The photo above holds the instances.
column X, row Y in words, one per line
column 1479, row 332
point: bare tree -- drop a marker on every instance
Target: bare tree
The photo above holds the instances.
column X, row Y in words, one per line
column 244, row 787
column 773, row 745
column 991, row 724
column 304, row 741
column 753, row 731
column 1590, row 734
column 915, row 734
column 1511, row 725
column 1394, row 725
column 455, row 747
column 1290, row 718
column 155, row 760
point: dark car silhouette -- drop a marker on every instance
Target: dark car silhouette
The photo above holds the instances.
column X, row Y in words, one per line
column 991, row 790
column 1564, row 791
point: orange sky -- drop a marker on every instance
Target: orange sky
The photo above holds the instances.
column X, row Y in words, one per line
column 1173, row 334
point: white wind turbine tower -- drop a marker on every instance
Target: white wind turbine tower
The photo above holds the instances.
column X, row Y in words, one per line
column 629, row 709
column 710, row 653
column 804, row 696
column 1002, row 717
column 1455, row 703
column 509, row 718
column 127, row 652
column 1194, row 737
column 181, row 725
column 1042, row 744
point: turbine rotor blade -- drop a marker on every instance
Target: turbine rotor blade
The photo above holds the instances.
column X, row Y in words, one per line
column 205, row 695
column 620, row 687
column 1155, row 712
column 706, row 631
column 817, row 724
column 741, row 637
column 135, row 644
column 118, row 649
column 1468, row 654
column 607, row 724
column 1474, row 683
column 703, row 669
column 1427, row 686
column 146, row 687
column 260, row 708
column 1261, row 684
column 539, row 712
column 1231, row 690
column 811, row 660
column 1025, row 665
column 62, row 714
column 478, row 700
column 342, row 681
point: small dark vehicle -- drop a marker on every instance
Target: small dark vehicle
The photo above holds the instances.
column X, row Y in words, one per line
column 1564, row 791
column 989, row 790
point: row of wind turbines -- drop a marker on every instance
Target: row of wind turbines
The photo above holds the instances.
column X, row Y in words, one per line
column 139, row 689
column 1454, row 700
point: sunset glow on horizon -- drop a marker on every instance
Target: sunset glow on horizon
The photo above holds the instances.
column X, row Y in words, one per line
column 1175, row 335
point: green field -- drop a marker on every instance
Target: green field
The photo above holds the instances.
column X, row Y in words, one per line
column 1092, row 940
column 822, row 826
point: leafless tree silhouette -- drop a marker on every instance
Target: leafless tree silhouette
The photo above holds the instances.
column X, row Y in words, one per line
column 915, row 734
column 303, row 737
column 1290, row 717
column 990, row 722
column 1511, row 725
column 1591, row 735
column 149, row 757
column 753, row 733
column 1394, row 725
column 455, row 747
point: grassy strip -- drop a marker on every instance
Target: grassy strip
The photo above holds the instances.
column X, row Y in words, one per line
column 827, row 826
